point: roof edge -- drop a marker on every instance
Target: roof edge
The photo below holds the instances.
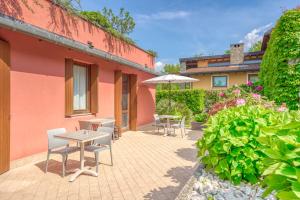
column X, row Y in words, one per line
column 216, row 72
column 216, row 56
column 20, row 26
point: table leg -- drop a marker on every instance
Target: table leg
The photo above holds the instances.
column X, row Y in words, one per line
column 168, row 127
column 82, row 168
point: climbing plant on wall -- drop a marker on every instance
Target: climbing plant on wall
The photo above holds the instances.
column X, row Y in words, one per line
column 280, row 68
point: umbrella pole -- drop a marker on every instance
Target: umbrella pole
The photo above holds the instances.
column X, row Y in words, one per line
column 169, row 97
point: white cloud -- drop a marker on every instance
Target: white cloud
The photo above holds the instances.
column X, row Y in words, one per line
column 159, row 66
column 255, row 35
column 166, row 15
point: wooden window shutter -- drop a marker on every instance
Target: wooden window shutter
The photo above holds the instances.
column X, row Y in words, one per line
column 4, row 106
column 94, row 88
column 68, row 87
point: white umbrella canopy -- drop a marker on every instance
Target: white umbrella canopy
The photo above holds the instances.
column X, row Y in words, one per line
column 170, row 78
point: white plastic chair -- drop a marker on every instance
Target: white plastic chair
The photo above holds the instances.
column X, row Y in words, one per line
column 158, row 124
column 180, row 125
column 59, row 146
column 102, row 144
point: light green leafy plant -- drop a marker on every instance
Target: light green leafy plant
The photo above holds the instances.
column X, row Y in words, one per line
column 201, row 117
column 281, row 145
column 229, row 146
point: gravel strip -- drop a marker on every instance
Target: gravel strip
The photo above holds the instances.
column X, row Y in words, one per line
column 207, row 186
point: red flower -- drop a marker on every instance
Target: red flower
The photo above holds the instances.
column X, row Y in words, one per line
column 222, row 94
column 259, row 88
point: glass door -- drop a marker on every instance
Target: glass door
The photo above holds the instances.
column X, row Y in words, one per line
column 125, row 101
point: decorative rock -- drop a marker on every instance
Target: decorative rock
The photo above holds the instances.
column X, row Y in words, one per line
column 196, row 196
column 196, row 186
column 209, row 186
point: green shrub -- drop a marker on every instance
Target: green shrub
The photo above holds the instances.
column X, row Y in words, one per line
column 229, row 146
column 193, row 99
column 281, row 145
column 176, row 108
column 280, row 67
column 97, row 18
column 201, row 117
column 211, row 97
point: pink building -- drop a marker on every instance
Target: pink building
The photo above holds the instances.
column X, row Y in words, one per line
column 57, row 69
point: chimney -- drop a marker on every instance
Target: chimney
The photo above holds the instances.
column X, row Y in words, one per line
column 237, row 54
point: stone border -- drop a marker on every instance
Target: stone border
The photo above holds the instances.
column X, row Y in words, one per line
column 188, row 187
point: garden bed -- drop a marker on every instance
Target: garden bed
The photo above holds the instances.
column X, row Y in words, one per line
column 206, row 186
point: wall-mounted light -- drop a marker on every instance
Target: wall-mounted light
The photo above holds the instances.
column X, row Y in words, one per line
column 90, row 44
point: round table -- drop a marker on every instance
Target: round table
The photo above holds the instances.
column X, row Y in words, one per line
column 168, row 117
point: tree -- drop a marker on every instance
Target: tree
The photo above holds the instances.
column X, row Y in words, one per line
column 227, row 51
column 172, row 69
column 123, row 23
column 256, row 46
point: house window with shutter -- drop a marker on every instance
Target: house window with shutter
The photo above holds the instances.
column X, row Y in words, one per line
column 81, row 88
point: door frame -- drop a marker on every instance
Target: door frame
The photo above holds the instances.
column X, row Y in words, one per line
column 4, row 106
column 128, row 103
column 132, row 101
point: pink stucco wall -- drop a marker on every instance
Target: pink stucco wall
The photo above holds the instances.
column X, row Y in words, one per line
column 53, row 18
column 37, row 91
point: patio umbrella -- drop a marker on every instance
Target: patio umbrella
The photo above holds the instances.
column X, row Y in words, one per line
column 168, row 79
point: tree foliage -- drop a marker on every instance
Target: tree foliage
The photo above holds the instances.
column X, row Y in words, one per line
column 97, row 18
column 280, row 68
column 118, row 25
column 256, row 46
column 227, row 51
column 123, row 22
column 171, row 69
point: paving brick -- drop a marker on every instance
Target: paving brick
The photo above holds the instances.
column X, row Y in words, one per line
column 146, row 166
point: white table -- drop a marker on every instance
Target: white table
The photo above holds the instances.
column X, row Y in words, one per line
column 168, row 117
column 81, row 137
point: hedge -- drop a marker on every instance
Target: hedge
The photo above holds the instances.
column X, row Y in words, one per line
column 280, row 67
column 192, row 98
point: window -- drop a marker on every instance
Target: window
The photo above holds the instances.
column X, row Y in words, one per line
column 80, row 88
column 81, row 83
column 253, row 77
column 219, row 81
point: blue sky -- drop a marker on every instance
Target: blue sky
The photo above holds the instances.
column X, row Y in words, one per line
column 184, row 28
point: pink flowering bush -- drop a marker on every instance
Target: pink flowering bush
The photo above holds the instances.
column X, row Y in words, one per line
column 250, row 83
column 237, row 92
column 240, row 102
column 222, row 94
column 249, row 94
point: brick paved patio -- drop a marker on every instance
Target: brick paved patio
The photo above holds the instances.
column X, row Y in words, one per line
column 146, row 166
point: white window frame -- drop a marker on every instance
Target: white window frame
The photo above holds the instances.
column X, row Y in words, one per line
column 218, row 75
column 254, row 73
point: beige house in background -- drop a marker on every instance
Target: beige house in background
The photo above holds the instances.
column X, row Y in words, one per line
column 223, row 71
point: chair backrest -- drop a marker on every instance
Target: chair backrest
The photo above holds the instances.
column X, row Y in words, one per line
column 182, row 122
column 109, row 124
column 108, row 131
column 53, row 142
column 156, row 119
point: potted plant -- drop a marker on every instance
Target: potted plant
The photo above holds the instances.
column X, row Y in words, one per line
column 199, row 120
